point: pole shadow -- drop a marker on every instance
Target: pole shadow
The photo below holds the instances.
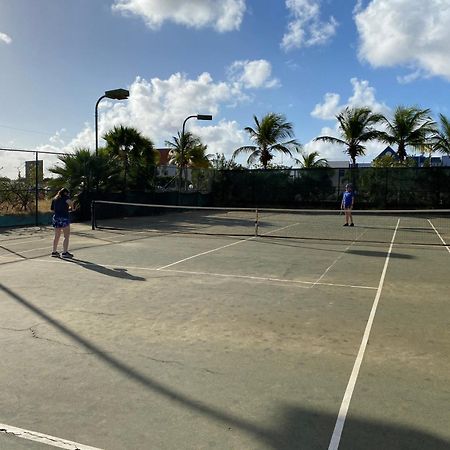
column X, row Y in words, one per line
column 296, row 428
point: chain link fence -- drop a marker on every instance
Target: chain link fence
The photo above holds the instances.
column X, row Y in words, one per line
column 25, row 198
column 25, row 186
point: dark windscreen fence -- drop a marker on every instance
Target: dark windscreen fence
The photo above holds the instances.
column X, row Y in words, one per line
column 377, row 188
column 428, row 227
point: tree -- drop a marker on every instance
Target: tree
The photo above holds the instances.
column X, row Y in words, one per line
column 267, row 135
column 311, row 160
column 136, row 153
column 356, row 127
column 389, row 161
column 441, row 138
column 409, row 127
column 220, row 162
column 82, row 171
column 186, row 151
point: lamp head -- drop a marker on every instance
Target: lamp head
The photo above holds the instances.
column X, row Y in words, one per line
column 117, row 94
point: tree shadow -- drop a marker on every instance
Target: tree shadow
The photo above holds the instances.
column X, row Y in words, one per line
column 295, row 428
column 118, row 272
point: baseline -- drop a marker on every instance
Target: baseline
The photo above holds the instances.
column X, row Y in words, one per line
column 311, row 284
column 43, row 438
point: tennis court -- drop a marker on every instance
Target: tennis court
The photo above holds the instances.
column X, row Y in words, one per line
column 188, row 331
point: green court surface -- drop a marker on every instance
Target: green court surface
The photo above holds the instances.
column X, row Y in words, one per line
column 162, row 340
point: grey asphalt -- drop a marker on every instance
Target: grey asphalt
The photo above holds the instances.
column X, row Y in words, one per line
column 152, row 341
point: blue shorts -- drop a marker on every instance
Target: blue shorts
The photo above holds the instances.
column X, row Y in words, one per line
column 60, row 222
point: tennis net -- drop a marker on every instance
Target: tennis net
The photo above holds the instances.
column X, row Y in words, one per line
column 431, row 227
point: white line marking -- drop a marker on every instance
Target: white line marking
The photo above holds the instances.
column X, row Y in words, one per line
column 15, row 242
column 279, row 280
column 43, row 438
column 212, row 274
column 222, row 247
column 204, row 253
column 339, row 257
column 336, row 437
column 440, row 237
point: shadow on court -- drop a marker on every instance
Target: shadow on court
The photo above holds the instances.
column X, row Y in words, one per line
column 379, row 254
column 300, row 245
column 117, row 272
column 297, row 428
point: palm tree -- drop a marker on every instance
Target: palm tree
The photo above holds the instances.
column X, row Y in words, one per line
column 356, row 128
column 136, row 153
column 441, row 138
column 267, row 135
column 186, row 151
column 311, row 160
column 409, row 127
column 82, row 170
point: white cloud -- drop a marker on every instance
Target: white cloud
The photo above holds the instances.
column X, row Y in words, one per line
column 224, row 15
column 363, row 96
column 5, row 38
column 57, row 138
column 325, row 150
column 253, row 74
column 333, row 152
column 329, row 108
column 306, row 27
column 225, row 137
column 411, row 33
column 157, row 108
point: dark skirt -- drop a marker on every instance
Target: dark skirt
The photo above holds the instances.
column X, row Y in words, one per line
column 60, row 222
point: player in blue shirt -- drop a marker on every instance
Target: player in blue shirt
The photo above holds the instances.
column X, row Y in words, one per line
column 348, row 199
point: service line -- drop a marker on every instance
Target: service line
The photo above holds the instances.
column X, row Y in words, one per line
column 222, row 247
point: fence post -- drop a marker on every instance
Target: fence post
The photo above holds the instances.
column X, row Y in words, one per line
column 93, row 214
column 36, row 189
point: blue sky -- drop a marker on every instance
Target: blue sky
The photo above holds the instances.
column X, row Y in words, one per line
column 306, row 59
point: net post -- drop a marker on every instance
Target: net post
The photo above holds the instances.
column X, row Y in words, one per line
column 93, row 214
column 256, row 222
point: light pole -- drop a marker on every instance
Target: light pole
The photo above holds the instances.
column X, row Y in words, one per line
column 115, row 94
column 183, row 143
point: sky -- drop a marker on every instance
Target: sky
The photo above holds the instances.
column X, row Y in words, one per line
column 233, row 59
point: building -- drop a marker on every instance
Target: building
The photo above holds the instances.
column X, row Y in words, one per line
column 164, row 168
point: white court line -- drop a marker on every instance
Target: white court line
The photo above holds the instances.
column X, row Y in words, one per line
column 342, row 415
column 279, row 280
column 212, row 274
column 18, row 241
column 223, row 246
column 43, row 438
column 440, row 237
column 339, row 257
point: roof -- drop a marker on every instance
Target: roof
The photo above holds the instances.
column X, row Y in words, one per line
column 163, row 156
column 388, row 151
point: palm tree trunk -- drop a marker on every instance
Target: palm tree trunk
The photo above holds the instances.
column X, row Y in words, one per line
column 401, row 151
